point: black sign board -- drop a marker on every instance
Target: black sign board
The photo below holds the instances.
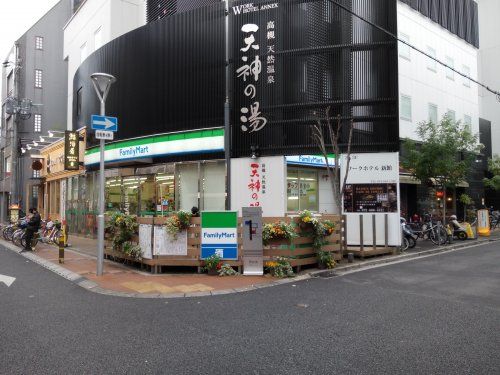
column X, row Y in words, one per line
column 71, row 151
column 370, row 198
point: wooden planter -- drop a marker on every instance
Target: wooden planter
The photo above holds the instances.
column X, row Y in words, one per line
column 213, row 272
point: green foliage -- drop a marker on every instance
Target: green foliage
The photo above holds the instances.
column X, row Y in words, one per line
column 445, row 154
column 320, row 228
column 177, row 222
column 466, row 200
column 277, row 231
column 122, row 228
column 494, row 168
column 132, row 250
column 213, row 262
column 326, row 258
column 227, row 270
column 280, row 267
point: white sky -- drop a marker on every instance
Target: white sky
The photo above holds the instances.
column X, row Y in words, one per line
column 16, row 17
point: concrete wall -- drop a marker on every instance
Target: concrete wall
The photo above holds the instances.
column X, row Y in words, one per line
column 425, row 86
column 113, row 17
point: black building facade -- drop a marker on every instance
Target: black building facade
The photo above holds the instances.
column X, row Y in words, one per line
column 312, row 55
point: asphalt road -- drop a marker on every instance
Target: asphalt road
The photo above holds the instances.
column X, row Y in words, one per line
column 437, row 315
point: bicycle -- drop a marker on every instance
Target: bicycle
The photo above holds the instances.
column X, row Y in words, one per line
column 432, row 231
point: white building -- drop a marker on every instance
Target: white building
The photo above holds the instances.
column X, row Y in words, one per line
column 427, row 89
column 489, row 63
column 95, row 23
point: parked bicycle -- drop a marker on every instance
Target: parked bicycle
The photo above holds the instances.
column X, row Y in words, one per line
column 430, row 230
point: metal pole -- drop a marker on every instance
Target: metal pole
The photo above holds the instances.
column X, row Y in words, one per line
column 13, row 144
column 100, row 218
column 227, row 113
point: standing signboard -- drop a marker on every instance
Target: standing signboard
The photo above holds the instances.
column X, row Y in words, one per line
column 219, row 234
column 372, row 188
column 252, row 241
column 483, row 223
column 71, row 151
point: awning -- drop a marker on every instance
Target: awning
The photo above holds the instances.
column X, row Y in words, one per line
column 408, row 179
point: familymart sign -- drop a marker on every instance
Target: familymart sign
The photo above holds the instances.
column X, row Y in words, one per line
column 219, row 234
column 200, row 141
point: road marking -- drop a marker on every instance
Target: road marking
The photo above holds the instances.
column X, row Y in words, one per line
column 7, row 280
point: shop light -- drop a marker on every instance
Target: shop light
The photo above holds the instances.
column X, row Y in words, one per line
column 293, row 198
column 28, row 147
column 42, row 139
column 23, row 150
column 35, row 143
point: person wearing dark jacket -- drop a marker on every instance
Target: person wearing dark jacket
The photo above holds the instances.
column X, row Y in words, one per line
column 33, row 227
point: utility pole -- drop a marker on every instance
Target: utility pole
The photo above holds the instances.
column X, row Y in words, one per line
column 13, row 143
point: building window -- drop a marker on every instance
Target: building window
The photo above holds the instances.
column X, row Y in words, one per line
column 467, row 120
column 79, row 102
column 7, row 165
column 404, row 49
column 97, row 39
column 37, row 127
column 405, row 107
column 39, row 42
column 38, row 78
column 302, row 190
column 36, row 174
column 431, row 64
column 83, row 52
column 433, row 113
column 466, row 71
column 452, row 115
column 450, row 74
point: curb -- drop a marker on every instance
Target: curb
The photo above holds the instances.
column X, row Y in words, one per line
column 91, row 286
column 338, row 271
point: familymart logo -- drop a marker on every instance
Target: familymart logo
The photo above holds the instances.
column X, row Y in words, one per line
column 219, row 234
column 134, row 151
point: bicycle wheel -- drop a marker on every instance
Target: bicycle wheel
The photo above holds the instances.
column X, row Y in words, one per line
column 438, row 239
column 7, row 233
column 412, row 242
column 404, row 244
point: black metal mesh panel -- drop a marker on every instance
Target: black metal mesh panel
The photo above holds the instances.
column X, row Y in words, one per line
column 324, row 57
column 457, row 16
column 158, row 9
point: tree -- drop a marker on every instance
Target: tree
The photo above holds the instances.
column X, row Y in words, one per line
column 444, row 154
column 494, row 168
column 334, row 133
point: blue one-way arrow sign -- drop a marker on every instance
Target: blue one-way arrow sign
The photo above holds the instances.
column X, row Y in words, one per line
column 104, row 123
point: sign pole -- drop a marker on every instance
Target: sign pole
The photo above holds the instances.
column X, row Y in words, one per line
column 100, row 219
column 102, row 82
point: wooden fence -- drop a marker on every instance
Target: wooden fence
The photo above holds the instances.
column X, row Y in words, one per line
column 299, row 250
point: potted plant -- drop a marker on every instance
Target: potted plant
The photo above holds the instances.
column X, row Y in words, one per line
column 122, row 228
column 325, row 260
column 306, row 220
column 280, row 267
column 227, row 270
column 177, row 222
column 277, row 231
column 213, row 264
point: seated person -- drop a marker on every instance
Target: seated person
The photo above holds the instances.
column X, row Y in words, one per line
column 455, row 223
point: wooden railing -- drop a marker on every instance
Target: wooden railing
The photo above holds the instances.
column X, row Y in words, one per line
column 299, row 250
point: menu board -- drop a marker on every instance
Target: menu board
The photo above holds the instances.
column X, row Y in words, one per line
column 380, row 198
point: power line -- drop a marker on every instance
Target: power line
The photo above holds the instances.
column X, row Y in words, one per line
column 497, row 93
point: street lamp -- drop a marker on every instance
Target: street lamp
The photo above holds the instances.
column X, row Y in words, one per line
column 102, row 83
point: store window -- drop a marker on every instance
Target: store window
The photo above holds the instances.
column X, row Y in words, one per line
column 113, row 194
column 187, row 186
column 165, row 192
column 302, row 190
column 214, row 186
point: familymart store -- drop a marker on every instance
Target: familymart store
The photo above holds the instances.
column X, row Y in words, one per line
column 155, row 175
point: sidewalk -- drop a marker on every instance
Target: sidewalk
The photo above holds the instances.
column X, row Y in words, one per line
column 80, row 267
column 125, row 281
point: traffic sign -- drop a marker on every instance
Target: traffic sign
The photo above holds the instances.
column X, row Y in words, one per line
column 104, row 123
column 104, row 134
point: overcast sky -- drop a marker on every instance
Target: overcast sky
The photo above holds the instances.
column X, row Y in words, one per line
column 17, row 16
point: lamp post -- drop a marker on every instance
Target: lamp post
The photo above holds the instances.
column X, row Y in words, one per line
column 102, row 83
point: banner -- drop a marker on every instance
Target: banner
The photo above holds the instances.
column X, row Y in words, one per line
column 219, row 234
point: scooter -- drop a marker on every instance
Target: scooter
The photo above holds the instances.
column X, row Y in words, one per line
column 409, row 238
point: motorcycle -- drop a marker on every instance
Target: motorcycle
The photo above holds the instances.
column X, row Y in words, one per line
column 408, row 241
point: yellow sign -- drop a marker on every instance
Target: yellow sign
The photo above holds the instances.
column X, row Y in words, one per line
column 483, row 223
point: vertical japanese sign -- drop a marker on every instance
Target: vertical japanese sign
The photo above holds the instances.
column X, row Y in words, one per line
column 256, row 183
column 219, row 234
column 71, row 151
column 256, row 63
